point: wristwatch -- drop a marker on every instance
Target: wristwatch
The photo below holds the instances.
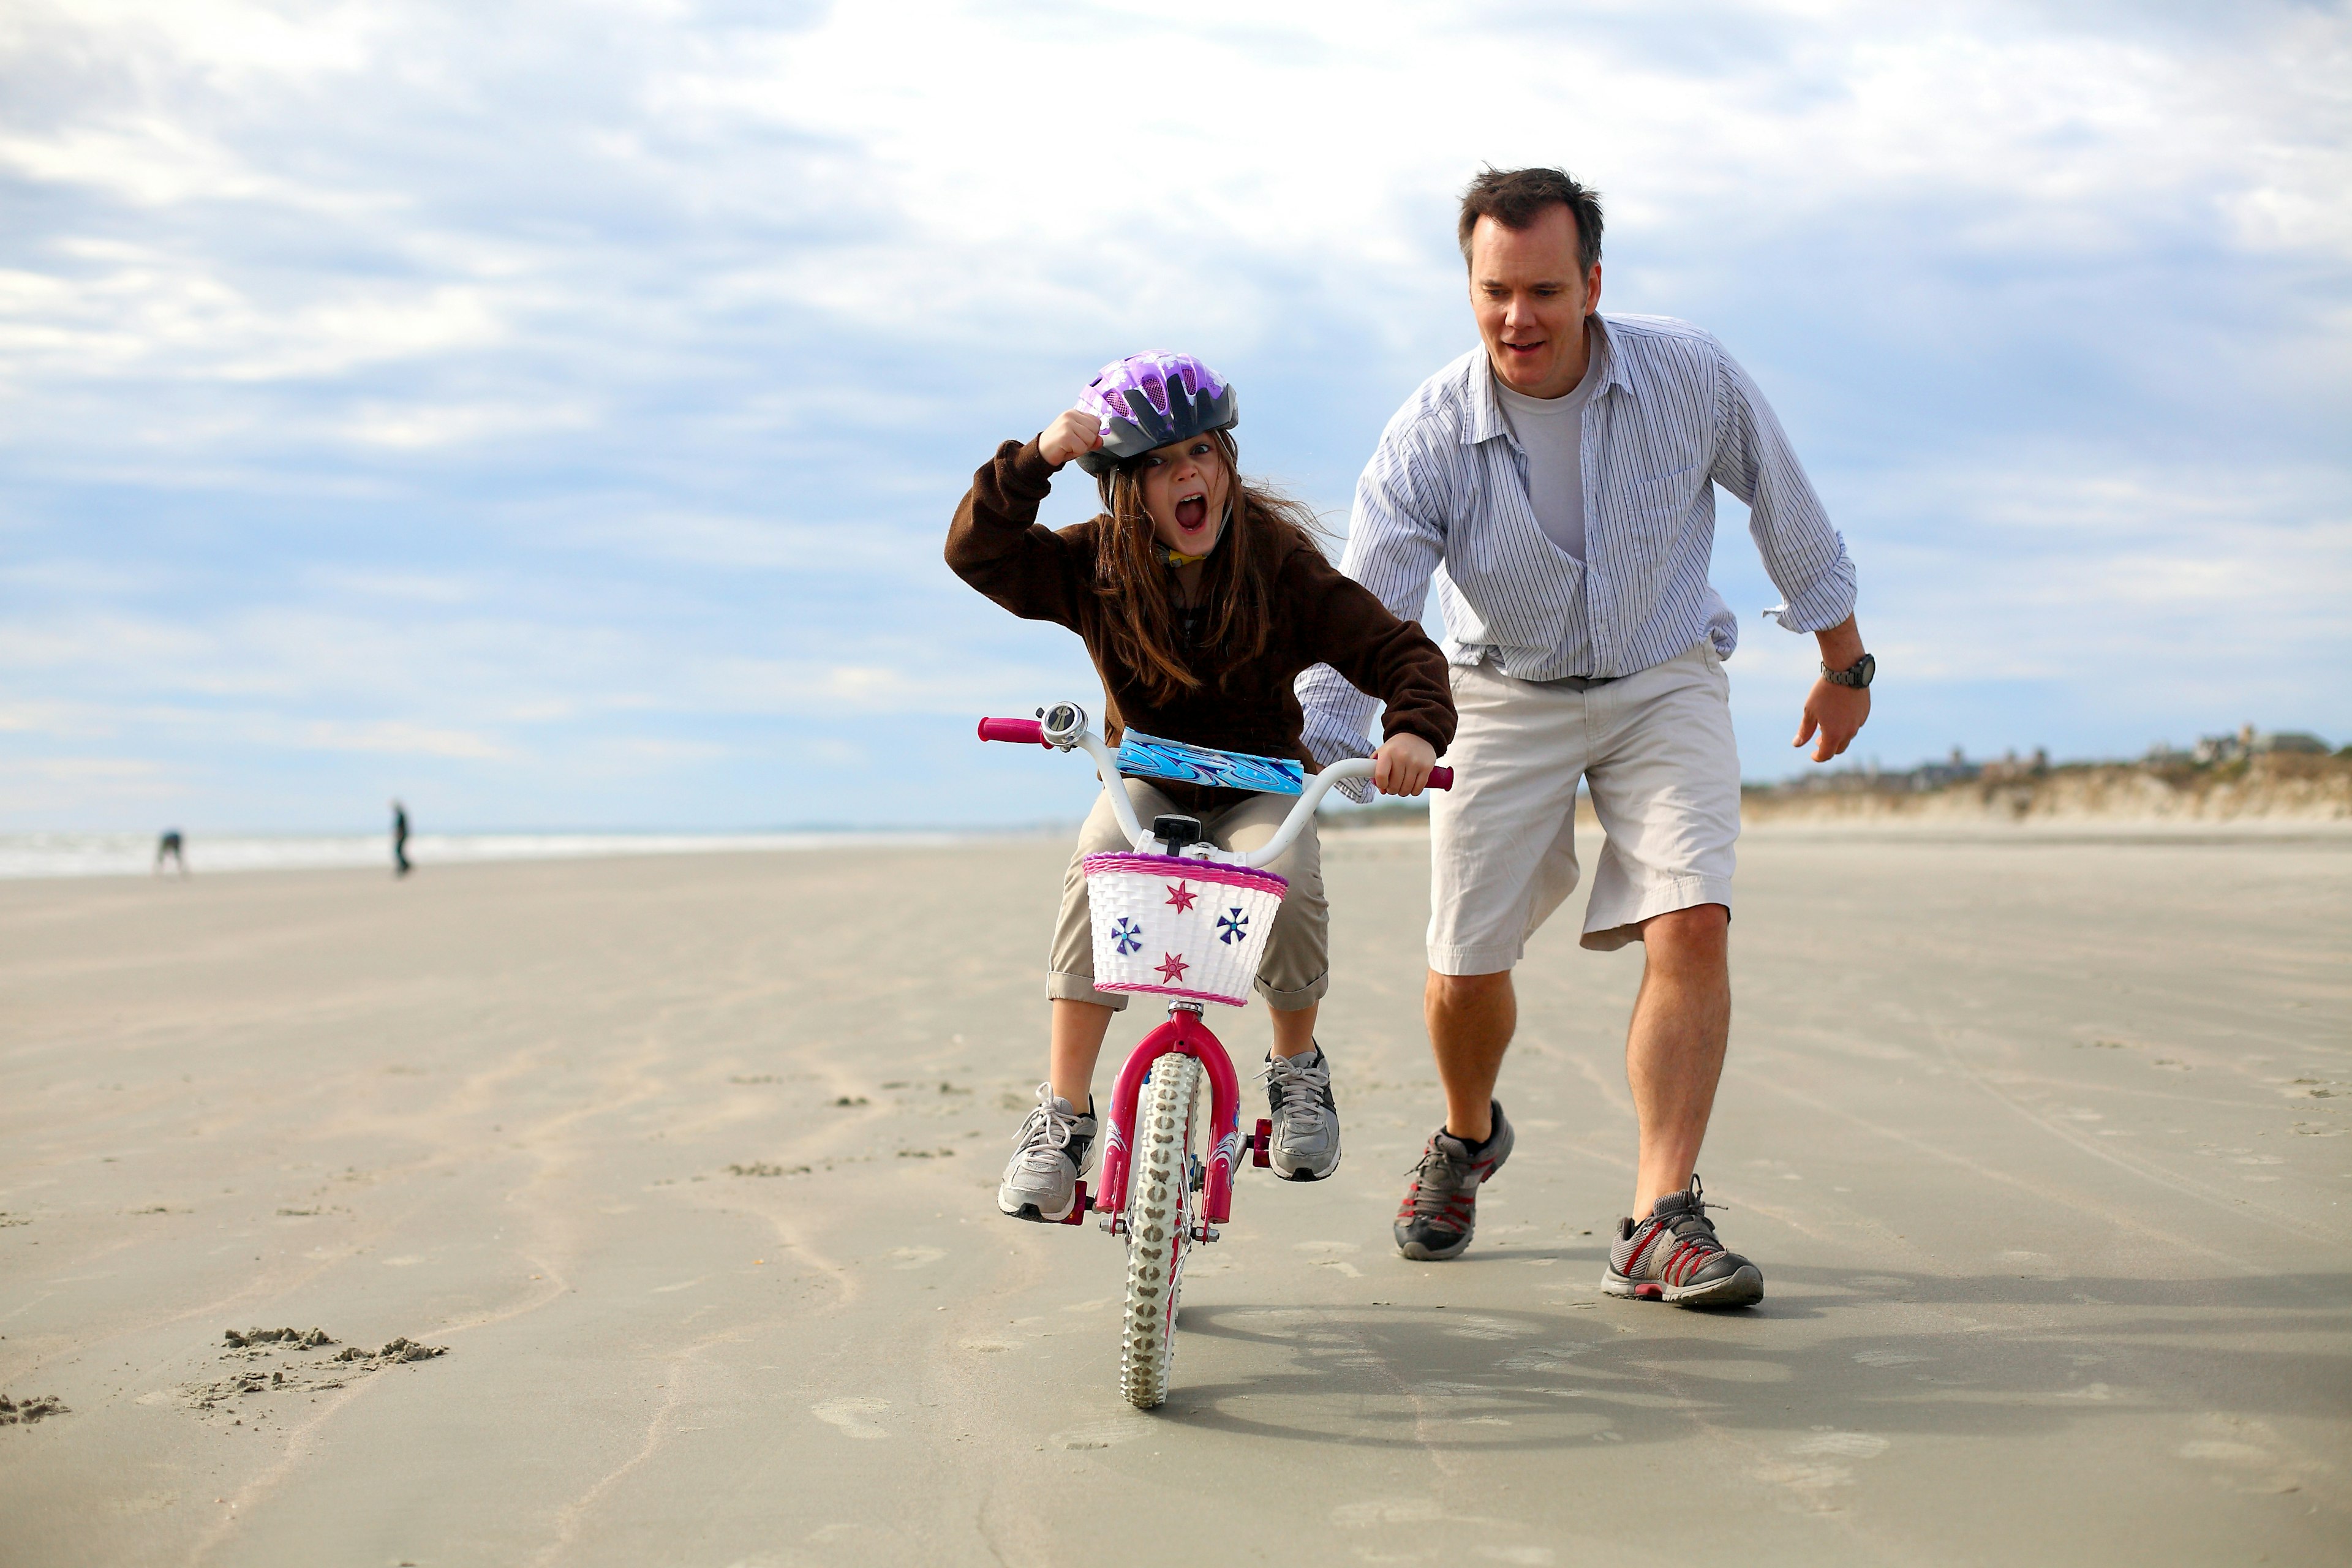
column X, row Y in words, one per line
column 1858, row 676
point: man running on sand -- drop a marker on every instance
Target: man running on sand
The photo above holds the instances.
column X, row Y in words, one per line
column 1558, row 484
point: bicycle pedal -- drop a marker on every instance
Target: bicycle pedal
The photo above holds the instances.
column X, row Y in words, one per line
column 1077, row 1215
column 1261, row 1144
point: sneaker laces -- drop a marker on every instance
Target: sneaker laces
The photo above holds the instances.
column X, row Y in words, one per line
column 1697, row 1193
column 1301, row 1087
column 1045, row 1136
column 1429, row 1196
column 1690, row 1227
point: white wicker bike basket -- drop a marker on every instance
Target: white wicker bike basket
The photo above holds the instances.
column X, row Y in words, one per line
column 1175, row 927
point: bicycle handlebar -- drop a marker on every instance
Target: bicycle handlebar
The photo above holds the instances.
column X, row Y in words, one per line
column 1021, row 731
column 1030, row 732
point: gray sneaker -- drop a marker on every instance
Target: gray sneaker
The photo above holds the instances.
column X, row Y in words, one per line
column 1054, row 1148
column 1673, row 1256
column 1305, row 1118
column 1440, row 1208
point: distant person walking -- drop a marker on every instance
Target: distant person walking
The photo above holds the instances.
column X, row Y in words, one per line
column 1557, row 483
column 399, row 839
column 168, row 847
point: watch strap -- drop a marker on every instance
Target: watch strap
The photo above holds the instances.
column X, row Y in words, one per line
column 1859, row 674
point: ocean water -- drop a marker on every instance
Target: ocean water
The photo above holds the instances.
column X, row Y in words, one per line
column 133, row 853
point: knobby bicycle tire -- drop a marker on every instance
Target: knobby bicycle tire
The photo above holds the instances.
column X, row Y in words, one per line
column 1158, row 1218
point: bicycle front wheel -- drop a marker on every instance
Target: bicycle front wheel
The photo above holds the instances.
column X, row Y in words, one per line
column 1159, row 1226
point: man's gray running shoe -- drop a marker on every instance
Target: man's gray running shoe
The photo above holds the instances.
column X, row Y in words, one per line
column 1673, row 1256
column 1305, row 1118
column 1441, row 1207
column 1054, row 1148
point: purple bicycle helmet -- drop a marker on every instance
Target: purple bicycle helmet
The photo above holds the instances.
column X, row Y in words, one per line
column 1151, row 399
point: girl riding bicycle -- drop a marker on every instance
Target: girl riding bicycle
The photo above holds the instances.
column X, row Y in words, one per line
column 1201, row 597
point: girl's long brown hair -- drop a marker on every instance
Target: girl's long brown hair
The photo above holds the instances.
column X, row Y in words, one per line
column 1236, row 584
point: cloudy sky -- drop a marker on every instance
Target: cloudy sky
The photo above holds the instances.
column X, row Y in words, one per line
column 551, row 413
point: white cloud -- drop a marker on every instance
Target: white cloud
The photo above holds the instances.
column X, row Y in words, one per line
column 242, row 45
column 415, row 426
column 395, row 737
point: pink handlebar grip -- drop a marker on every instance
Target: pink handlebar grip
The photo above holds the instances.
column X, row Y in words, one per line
column 1023, row 732
column 1441, row 778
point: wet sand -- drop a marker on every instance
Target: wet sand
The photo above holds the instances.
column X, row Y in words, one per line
column 688, row 1164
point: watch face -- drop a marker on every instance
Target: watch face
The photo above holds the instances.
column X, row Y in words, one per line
column 1865, row 670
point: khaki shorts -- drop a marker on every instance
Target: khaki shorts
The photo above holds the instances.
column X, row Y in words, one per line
column 1656, row 750
column 1297, row 969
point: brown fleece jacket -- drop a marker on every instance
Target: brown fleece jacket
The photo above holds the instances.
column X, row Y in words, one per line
column 1321, row 617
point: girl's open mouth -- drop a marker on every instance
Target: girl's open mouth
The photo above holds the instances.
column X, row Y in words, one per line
column 1193, row 513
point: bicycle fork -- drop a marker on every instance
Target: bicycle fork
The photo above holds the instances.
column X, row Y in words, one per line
column 1182, row 1035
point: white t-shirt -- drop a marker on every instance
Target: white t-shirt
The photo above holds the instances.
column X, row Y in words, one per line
column 1551, row 431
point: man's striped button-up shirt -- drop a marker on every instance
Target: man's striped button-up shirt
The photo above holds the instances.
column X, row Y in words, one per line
column 1445, row 495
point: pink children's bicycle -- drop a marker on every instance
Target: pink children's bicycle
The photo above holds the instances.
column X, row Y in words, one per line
column 1178, row 918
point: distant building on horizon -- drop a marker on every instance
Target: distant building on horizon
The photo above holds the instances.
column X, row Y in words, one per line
column 2250, row 742
column 1927, row 777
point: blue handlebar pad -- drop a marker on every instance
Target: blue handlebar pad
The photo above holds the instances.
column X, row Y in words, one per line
column 1149, row 757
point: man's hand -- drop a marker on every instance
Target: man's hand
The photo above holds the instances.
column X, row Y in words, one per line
column 1836, row 713
column 1402, row 764
column 1832, row 711
column 1067, row 438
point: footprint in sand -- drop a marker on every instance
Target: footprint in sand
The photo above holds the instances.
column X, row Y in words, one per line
column 854, row 1416
column 2247, row 1455
column 1813, row 1471
column 1470, row 1328
column 2244, row 1467
column 1400, row 1510
column 2098, row 1392
column 916, row 1256
column 1099, row 1434
column 1327, row 1254
column 2224, row 1452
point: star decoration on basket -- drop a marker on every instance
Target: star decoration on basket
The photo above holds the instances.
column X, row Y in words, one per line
column 1233, row 928
column 1181, row 896
column 1172, row 967
column 1126, row 936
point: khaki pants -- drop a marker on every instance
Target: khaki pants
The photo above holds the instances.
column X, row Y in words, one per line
column 1656, row 750
column 1297, row 969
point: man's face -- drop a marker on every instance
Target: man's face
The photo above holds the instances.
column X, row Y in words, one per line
column 1531, row 298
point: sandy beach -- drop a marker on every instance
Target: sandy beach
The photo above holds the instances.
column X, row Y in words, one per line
column 686, row 1164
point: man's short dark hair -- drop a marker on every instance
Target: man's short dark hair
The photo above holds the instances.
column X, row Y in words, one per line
column 1516, row 197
